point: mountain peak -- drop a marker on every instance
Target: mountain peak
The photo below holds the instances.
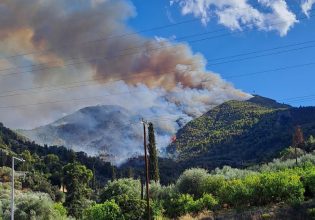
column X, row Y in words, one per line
column 267, row 102
column 95, row 129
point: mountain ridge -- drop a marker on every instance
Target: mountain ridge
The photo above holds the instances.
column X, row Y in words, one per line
column 90, row 130
column 239, row 133
column 233, row 133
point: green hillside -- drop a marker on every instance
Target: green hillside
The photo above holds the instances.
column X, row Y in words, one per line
column 12, row 143
column 240, row 133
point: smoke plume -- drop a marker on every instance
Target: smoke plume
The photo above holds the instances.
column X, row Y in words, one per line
column 88, row 42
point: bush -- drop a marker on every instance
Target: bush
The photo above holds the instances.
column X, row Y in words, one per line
column 184, row 204
column 37, row 206
column 192, row 182
column 157, row 210
column 308, row 180
column 60, row 209
column 131, row 208
column 235, row 193
column 158, row 192
column 311, row 213
column 228, row 172
column 126, row 186
column 109, row 210
column 37, row 182
column 212, row 184
column 207, row 201
column 278, row 187
column 289, row 153
column 126, row 193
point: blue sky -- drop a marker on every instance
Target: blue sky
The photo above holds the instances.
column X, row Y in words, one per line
column 279, row 85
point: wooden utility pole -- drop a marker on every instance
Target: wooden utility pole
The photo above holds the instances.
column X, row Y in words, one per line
column 146, row 168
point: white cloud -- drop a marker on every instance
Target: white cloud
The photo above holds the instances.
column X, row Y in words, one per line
column 307, row 6
column 237, row 14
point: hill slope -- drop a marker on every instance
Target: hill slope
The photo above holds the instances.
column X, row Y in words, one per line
column 240, row 132
column 12, row 144
column 91, row 130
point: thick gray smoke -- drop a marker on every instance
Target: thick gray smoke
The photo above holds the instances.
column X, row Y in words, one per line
column 158, row 78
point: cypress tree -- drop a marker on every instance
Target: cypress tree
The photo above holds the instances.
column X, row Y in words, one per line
column 153, row 157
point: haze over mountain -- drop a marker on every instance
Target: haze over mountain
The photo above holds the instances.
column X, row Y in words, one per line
column 232, row 133
column 110, row 130
column 105, row 129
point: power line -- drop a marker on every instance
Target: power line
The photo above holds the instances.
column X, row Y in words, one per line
column 297, row 97
column 91, row 60
column 139, row 46
column 146, row 75
column 95, row 59
column 97, row 97
column 261, row 51
column 303, row 100
column 263, row 55
column 121, row 55
column 102, row 39
column 126, row 34
column 271, row 70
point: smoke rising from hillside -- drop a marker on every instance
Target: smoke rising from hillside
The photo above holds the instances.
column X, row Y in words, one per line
column 164, row 78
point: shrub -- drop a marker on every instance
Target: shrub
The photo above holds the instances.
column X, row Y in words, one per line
column 37, row 182
column 157, row 210
column 276, row 187
column 311, row 213
column 131, row 208
column 60, row 209
column 207, row 201
column 37, row 206
column 126, row 186
column 289, row 153
column 108, row 210
column 158, row 192
column 266, row 216
column 126, row 193
column 235, row 193
column 228, row 172
column 308, row 180
column 212, row 184
column 191, row 182
column 184, row 204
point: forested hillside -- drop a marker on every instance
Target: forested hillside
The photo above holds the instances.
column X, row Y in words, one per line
column 14, row 144
column 62, row 184
column 240, row 133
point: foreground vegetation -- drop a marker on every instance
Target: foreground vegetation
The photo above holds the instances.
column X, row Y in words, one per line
column 57, row 183
column 279, row 182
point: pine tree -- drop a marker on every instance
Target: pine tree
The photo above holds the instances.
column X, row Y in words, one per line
column 153, row 157
column 298, row 140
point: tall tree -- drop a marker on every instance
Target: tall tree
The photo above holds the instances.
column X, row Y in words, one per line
column 76, row 179
column 153, row 157
column 298, row 140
